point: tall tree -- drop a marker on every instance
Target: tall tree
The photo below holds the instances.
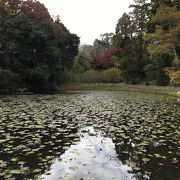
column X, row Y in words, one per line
column 140, row 16
column 106, row 40
column 86, row 56
column 165, row 40
column 129, row 36
column 12, row 6
column 35, row 10
column 34, row 49
column 102, row 44
column 124, row 31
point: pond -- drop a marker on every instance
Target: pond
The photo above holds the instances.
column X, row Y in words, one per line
column 90, row 135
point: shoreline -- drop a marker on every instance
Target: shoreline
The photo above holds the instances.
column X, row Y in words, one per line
column 164, row 90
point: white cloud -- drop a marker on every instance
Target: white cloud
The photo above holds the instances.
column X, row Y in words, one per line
column 88, row 18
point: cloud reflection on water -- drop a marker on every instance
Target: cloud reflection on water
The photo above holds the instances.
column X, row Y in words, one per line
column 94, row 157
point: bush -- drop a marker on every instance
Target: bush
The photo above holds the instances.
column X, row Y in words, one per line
column 113, row 75
column 93, row 76
column 72, row 77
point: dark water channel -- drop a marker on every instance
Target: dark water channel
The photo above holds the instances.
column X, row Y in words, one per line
column 90, row 135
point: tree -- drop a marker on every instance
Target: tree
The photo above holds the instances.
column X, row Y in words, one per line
column 140, row 16
column 12, row 6
column 129, row 31
column 124, row 31
column 7, row 81
column 86, row 56
column 131, row 63
column 33, row 48
column 174, row 76
column 154, row 70
column 106, row 40
column 35, row 10
column 102, row 44
column 124, row 27
column 59, row 31
column 165, row 40
column 106, row 60
column 68, row 43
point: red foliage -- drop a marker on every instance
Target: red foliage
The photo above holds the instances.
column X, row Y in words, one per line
column 106, row 60
column 59, row 31
column 12, row 6
column 35, row 10
column 32, row 8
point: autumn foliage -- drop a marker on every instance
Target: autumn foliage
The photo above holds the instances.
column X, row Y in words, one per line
column 106, row 60
column 35, row 10
column 59, row 31
column 35, row 49
column 12, row 6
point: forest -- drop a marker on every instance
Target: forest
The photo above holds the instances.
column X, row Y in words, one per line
column 144, row 48
column 35, row 49
column 38, row 53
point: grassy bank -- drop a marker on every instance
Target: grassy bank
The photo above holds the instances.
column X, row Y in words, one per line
column 168, row 90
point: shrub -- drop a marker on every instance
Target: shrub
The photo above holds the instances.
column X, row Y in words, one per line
column 113, row 75
column 92, row 76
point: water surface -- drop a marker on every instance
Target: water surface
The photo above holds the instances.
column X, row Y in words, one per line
column 90, row 135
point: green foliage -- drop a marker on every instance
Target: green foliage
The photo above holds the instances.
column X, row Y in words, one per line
column 129, row 30
column 92, row 76
column 131, row 62
column 77, row 68
column 145, row 55
column 86, row 56
column 165, row 39
column 36, row 50
column 37, row 78
column 7, row 81
column 75, row 74
column 105, row 41
column 113, row 75
column 174, row 76
column 155, row 69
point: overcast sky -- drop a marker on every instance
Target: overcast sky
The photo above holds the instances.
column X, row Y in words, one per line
column 88, row 18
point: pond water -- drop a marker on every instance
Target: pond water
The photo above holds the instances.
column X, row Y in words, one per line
column 90, row 135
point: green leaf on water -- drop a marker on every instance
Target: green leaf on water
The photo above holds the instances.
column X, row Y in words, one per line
column 136, row 168
column 146, row 159
column 37, row 170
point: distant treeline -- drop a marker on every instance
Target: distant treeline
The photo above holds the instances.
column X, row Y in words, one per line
column 36, row 50
column 144, row 48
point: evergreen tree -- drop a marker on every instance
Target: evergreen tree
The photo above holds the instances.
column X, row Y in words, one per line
column 33, row 48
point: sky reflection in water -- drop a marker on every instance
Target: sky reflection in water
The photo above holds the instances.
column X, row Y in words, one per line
column 94, row 157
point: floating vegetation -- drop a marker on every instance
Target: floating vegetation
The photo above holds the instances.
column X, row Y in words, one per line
column 37, row 132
